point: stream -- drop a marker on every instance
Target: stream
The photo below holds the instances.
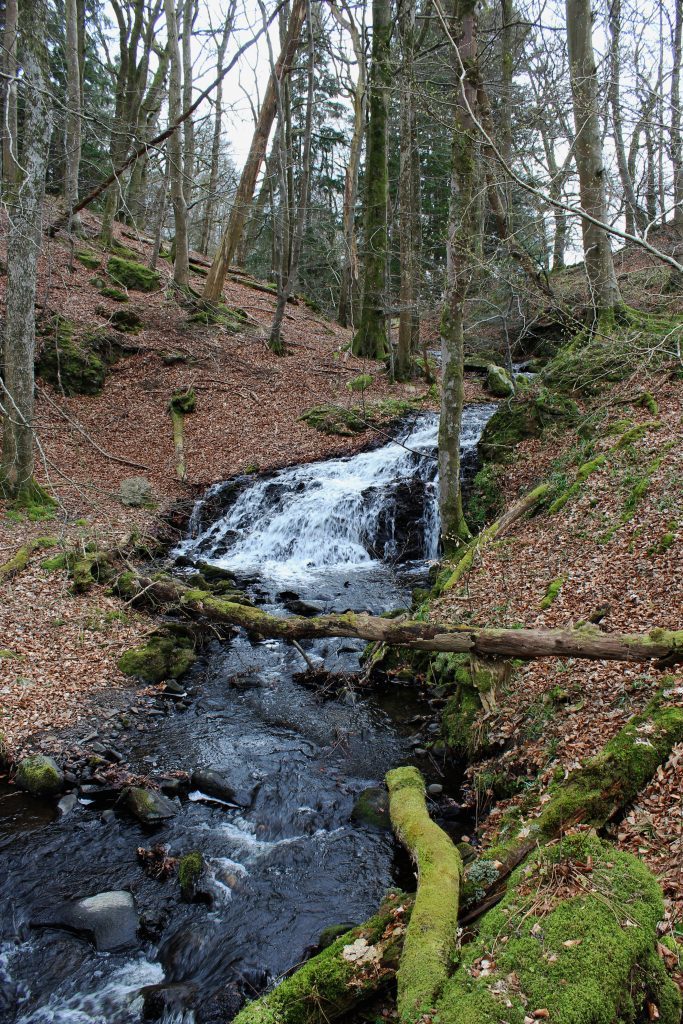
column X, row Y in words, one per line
column 285, row 859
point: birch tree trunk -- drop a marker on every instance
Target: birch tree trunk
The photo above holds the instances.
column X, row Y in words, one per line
column 73, row 113
column 602, row 279
column 181, row 269
column 370, row 340
column 25, row 207
column 245, row 190
column 461, row 240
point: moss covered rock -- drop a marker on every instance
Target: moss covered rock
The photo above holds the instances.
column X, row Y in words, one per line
column 575, row 937
column 40, row 775
column 498, row 381
column 113, row 293
column 149, row 806
column 526, row 415
column 128, row 321
column 164, row 657
column 191, row 869
column 71, row 364
column 137, row 492
column 372, row 808
column 136, row 276
column 333, row 419
column 89, row 259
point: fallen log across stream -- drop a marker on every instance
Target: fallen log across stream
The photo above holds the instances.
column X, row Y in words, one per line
column 660, row 645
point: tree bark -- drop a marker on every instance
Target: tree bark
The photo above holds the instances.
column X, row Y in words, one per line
column 406, row 192
column 207, row 223
column 189, row 15
column 73, row 113
column 10, row 142
column 213, row 286
column 491, row 641
column 633, row 214
column 181, row 268
column 676, row 147
column 605, row 294
column 460, row 246
column 370, row 340
column 25, row 206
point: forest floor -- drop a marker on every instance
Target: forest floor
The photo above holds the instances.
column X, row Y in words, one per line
column 618, row 556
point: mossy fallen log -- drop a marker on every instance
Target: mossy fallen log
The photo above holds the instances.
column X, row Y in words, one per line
column 355, row 967
column 498, row 529
column 430, row 942
column 20, row 559
column 584, row 642
column 574, row 941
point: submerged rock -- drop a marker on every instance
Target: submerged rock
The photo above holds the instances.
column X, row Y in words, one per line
column 215, row 784
column 109, row 920
column 40, row 776
column 372, row 808
column 148, row 806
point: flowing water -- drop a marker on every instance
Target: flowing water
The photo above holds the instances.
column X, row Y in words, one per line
column 351, row 533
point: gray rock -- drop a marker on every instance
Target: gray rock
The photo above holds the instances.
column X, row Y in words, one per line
column 215, row 784
column 498, row 381
column 148, row 806
column 137, row 492
column 435, row 789
column 108, row 919
column 67, row 804
column 372, row 808
column 40, row 775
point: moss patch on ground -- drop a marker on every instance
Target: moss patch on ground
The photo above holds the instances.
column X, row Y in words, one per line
column 130, row 274
column 575, row 936
column 163, row 657
column 532, row 410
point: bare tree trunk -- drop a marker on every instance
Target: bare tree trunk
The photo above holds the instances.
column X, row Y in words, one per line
column 461, row 234
column 605, row 295
column 370, row 340
column 349, row 275
column 162, row 200
column 406, row 31
column 632, row 212
column 73, row 113
column 10, row 167
column 181, row 270
column 25, row 206
column 676, row 147
column 189, row 15
column 207, row 223
column 285, row 290
column 245, row 190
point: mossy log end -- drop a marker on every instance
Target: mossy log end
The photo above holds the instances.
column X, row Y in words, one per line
column 356, row 966
column 429, row 946
column 20, row 559
column 574, row 941
column 661, row 645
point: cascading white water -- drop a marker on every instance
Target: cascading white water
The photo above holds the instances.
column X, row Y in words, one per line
column 338, row 514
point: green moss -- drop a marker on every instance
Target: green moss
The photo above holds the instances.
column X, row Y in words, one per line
column 333, row 419
column 552, row 593
column 56, row 562
column 161, row 658
column 128, row 321
column 133, row 275
column 372, row 808
column 232, row 319
column 360, row 383
column 498, row 381
column 113, row 293
column 20, row 559
column 319, row 991
column 69, row 364
column 39, row 775
column 582, row 475
column 183, row 401
column 647, row 401
column 635, row 433
column 665, row 541
column 190, row 870
column 586, row 955
column 528, row 414
column 90, row 260
column 486, row 499
column 430, row 941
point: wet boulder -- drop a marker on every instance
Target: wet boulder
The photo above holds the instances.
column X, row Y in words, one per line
column 108, row 919
column 372, row 808
column 218, row 786
column 148, row 806
column 187, row 952
column 40, row 776
column 498, row 381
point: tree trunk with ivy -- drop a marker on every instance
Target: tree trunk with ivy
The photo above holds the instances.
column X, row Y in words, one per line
column 24, row 207
column 370, row 340
column 461, row 239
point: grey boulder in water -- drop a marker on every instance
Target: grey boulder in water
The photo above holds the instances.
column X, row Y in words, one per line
column 148, row 806
column 108, row 919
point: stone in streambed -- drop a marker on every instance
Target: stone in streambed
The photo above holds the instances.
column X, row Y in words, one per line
column 372, row 808
column 40, row 776
column 108, row 919
column 213, row 783
column 148, row 806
